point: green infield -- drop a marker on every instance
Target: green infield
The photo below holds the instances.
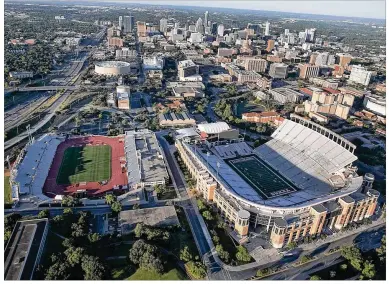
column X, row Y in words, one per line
column 85, row 164
column 260, row 176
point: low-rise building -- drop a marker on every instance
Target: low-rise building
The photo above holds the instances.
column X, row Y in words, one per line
column 307, row 71
column 188, row 71
column 271, row 117
column 187, row 92
column 123, row 97
column 172, row 119
column 318, row 117
column 115, row 42
column 286, row 95
column 21, row 74
column 24, row 249
column 325, row 83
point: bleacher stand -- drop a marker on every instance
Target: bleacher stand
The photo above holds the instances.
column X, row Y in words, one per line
column 31, row 172
column 307, row 158
column 233, row 149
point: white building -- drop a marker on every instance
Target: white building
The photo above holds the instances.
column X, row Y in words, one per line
column 376, row 104
column 21, row 74
column 196, row 38
column 163, row 25
column 188, row 71
column 153, row 63
column 278, row 70
column 360, row 75
column 267, row 29
column 220, row 30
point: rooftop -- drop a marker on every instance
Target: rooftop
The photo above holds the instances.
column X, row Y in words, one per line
column 23, row 247
column 156, row 217
column 112, row 64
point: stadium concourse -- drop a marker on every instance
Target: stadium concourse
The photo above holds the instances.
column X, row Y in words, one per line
column 118, row 175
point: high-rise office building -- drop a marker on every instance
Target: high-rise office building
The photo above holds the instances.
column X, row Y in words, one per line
column 214, row 28
column 163, row 25
column 278, row 70
column 267, row 28
column 127, row 27
column 206, row 18
column 344, row 59
column 200, row 26
column 121, row 22
column 220, row 30
column 308, row 71
column 360, row 75
column 252, row 63
column 286, row 32
column 270, row 45
column 310, row 34
column 141, row 27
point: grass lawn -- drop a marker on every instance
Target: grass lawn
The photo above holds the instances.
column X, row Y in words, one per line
column 248, row 107
column 142, row 274
column 85, row 164
column 7, row 191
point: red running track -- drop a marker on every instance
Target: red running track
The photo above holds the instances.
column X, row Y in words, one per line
column 118, row 177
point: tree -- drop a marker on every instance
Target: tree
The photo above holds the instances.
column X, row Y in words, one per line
column 74, row 255
column 44, row 214
column 110, row 198
column 58, row 271
column 93, row 269
column 146, row 256
column 185, row 254
column 136, row 206
column 200, row 204
column 227, row 111
column 263, row 272
column 224, row 255
column 116, row 206
column 139, row 230
column 94, row 238
column 207, row 215
column 368, row 270
column 242, row 254
column 69, row 201
column 197, row 269
column 216, row 239
column 291, row 245
column 315, row 277
column 79, row 230
column 343, row 266
column 381, row 251
column 353, row 255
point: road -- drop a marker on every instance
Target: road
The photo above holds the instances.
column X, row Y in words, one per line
column 50, row 114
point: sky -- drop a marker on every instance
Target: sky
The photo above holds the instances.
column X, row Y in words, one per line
column 365, row 9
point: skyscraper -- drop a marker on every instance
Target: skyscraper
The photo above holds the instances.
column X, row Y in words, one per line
column 220, row 30
column 120, row 22
column 206, row 18
column 267, row 29
column 214, row 28
column 163, row 25
column 199, row 26
column 127, row 23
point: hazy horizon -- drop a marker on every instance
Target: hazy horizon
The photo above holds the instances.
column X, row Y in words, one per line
column 374, row 9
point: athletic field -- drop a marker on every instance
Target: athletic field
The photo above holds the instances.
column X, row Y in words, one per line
column 85, row 164
column 260, row 176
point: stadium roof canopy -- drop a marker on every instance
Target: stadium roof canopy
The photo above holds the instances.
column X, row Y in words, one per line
column 213, row 128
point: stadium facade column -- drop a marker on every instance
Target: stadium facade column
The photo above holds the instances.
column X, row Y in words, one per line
column 347, row 208
column 242, row 223
column 319, row 217
column 268, row 224
column 277, row 236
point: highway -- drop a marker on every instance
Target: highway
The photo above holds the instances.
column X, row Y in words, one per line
column 50, row 114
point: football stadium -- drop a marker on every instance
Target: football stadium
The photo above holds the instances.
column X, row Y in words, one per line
column 86, row 166
column 301, row 182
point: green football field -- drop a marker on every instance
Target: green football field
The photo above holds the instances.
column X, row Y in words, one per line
column 85, row 164
column 261, row 177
